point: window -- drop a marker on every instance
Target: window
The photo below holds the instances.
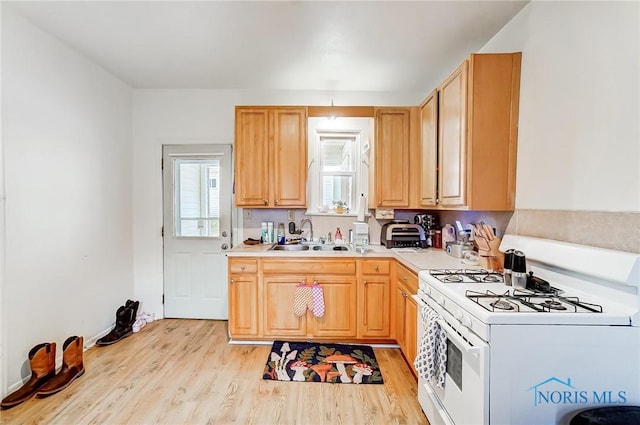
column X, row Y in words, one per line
column 338, row 163
column 337, row 168
column 197, row 198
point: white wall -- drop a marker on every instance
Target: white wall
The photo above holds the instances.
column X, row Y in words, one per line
column 197, row 116
column 579, row 128
column 68, row 162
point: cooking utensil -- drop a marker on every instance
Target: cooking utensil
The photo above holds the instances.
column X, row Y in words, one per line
column 481, row 239
column 488, row 230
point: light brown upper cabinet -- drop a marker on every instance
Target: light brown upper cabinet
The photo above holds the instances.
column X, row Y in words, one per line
column 477, row 135
column 429, row 149
column 395, row 149
column 271, row 157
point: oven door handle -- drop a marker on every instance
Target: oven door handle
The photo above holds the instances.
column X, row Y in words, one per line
column 459, row 341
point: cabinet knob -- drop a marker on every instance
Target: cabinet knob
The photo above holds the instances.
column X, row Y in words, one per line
column 232, row 281
column 405, row 278
column 243, row 267
column 315, row 282
column 266, row 202
column 275, row 202
column 376, row 268
column 303, row 282
column 365, row 282
column 379, row 203
column 404, row 294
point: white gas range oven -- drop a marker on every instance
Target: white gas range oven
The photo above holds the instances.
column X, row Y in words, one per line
column 530, row 356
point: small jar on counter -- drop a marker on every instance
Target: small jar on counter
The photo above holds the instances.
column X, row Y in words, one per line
column 437, row 239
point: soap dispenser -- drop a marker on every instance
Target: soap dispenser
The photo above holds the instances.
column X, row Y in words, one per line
column 338, row 238
column 281, row 239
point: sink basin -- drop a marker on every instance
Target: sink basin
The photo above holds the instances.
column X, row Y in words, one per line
column 334, row 248
column 294, row 247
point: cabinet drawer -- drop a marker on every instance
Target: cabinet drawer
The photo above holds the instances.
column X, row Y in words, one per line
column 315, row 266
column 379, row 267
column 407, row 278
column 243, row 265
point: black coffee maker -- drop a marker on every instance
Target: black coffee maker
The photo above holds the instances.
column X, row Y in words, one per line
column 429, row 223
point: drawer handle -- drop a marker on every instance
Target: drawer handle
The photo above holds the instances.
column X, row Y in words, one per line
column 242, row 268
column 405, row 278
column 376, row 268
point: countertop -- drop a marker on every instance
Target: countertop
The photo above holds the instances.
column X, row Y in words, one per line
column 414, row 259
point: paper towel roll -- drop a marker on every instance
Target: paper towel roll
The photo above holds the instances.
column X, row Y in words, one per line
column 362, row 206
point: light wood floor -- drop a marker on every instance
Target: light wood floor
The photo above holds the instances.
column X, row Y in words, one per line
column 185, row 372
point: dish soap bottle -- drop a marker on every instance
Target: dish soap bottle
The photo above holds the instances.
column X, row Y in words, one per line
column 338, row 238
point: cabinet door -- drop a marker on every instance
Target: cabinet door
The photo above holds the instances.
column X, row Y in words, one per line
column 453, row 138
column 279, row 295
column 252, row 157
column 429, row 151
column 375, row 302
column 400, row 317
column 289, row 157
column 243, row 305
column 392, row 158
column 339, row 319
column 411, row 330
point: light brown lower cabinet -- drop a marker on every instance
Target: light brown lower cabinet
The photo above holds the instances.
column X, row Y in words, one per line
column 374, row 299
column 406, row 313
column 337, row 280
column 243, row 297
column 359, row 298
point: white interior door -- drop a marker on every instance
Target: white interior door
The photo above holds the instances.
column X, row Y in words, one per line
column 197, row 187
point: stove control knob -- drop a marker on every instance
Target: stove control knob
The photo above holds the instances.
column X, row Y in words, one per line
column 466, row 321
column 439, row 300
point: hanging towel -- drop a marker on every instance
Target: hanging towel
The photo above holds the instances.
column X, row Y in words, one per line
column 309, row 297
column 318, row 301
column 431, row 361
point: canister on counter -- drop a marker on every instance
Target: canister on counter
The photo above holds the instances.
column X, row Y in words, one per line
column 437, row 239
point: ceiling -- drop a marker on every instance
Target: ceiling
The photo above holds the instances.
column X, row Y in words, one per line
column 274, row 45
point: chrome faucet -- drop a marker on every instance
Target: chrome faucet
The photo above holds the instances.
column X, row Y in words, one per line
column 302, row 222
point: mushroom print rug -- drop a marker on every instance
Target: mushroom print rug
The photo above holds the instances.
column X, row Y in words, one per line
column 334, row 363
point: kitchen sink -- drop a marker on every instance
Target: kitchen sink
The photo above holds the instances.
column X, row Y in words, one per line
column 331, row 247
column 295, row 247
column 312, row 247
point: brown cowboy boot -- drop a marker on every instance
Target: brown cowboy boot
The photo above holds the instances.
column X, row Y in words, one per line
column 42, row 359
column 72, row 368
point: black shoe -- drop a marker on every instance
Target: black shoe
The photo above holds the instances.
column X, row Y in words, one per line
column 125, row 316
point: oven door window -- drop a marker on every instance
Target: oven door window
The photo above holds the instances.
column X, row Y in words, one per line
column 454, row 363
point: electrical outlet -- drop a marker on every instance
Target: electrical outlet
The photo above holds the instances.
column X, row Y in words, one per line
column 248, row 213
column 291, row 215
